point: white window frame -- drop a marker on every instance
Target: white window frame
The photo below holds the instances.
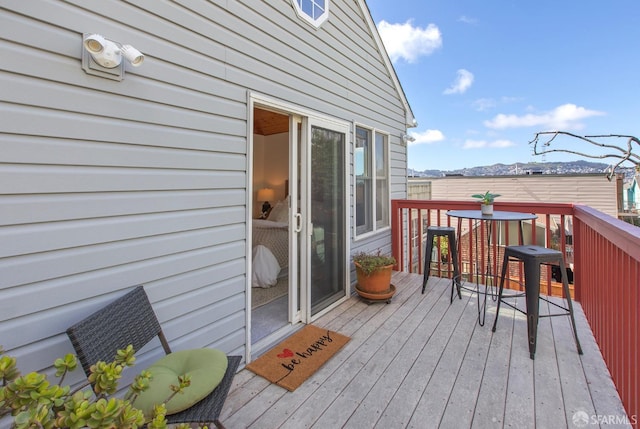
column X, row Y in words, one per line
column 372, row 208
column 315, row 21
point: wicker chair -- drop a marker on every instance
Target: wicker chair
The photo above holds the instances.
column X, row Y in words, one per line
column 130, row 320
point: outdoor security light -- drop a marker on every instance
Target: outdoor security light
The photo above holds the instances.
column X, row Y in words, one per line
column 407, row 138
column 132, row 55
column 105, row 56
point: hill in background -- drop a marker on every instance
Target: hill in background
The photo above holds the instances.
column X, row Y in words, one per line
column 570, row 167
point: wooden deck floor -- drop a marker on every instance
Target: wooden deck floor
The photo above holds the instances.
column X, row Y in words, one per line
column 421, row 362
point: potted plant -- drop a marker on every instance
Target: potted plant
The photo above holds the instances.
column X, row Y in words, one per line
column 34, row 402
column 373, row 271
column 486, row 202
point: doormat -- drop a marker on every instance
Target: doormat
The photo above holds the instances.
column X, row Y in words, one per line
column 295, row 359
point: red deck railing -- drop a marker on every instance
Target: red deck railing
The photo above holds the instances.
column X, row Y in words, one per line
column 603, row 253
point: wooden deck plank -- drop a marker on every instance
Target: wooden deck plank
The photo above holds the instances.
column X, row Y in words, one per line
column 519, row 405
column 381, row 349
column 402, row 406
column 575, row 389
column 549, row 403
column 353, row 313
column 432, row 307
column 464, row 396
column 390, row 363
column 366, row 341
column 606, row 400
column 308, row 402
column 422, row 362
column 490, row 404
column 434, row 399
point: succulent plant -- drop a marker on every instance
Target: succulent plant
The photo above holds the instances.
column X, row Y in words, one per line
column 36, row 403
column 486, row 198
column 370, row 262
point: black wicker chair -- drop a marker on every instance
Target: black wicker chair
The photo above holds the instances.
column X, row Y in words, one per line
column 130, row 320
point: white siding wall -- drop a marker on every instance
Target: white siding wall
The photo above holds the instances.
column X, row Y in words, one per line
column 105, row 185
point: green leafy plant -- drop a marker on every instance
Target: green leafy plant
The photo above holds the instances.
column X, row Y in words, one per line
column 486, row 198
column 371, row 262
column 443, row 245
column 35, row 403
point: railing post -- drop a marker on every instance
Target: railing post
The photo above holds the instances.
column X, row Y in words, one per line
column 396, row 235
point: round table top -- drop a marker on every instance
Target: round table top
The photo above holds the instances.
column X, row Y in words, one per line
column 496, row 216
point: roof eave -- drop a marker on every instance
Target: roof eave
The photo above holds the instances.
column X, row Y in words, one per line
column 410, row 120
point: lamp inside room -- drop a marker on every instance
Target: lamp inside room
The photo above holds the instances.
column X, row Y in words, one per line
column 266, row 195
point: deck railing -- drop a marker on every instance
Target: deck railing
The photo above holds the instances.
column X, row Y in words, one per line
column 602, row 252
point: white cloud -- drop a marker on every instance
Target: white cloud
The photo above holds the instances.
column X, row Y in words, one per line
column 474, row 144
column 481, row 144
column 468, row 19
column 505, row 99
column 501, row 143
column 408, row 42
column 426, row 137
column 567, row 116
column 483, row 104
column 462, row 83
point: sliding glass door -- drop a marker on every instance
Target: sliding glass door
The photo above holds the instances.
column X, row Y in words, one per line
column 326, row 222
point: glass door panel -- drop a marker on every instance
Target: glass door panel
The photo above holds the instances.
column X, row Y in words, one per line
column 327, row 220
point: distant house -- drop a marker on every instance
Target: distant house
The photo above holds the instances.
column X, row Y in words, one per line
column 632, row 195
column 590, row 189
column 631, row 202
column 593, row 190
column 112, row 177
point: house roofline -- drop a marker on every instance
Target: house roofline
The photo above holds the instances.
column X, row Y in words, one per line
column 410, row 120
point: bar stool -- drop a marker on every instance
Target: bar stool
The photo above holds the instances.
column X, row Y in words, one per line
column 450, row 233
column 533, row 257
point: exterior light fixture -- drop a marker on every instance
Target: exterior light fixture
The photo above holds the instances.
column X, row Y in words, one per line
column 103, row 57
column 407, row 138
column 132, row 55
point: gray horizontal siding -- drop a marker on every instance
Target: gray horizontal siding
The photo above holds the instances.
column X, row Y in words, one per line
column 271, row 44
column 45, row 237
column 52, row 178
column 21, row 209
column 111, row 184
column 105, row 185
column 49, row 279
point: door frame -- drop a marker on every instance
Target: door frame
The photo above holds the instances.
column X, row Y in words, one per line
column 254, row 100
column 332, row 124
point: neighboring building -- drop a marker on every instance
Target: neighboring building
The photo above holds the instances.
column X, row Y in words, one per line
column 593, row 190
column 419, row 189
column 631, row 202
column 114, row 177
column 632, row 195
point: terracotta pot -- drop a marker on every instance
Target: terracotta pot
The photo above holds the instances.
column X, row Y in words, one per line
column 378, row 282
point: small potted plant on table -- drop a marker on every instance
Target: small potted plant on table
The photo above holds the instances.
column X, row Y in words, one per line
column 373, row 271
column 486, row 202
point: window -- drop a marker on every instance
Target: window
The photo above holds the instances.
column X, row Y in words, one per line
column 372, row 180
column 314, row 12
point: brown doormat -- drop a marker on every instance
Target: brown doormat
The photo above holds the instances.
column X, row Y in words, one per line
column 295, row 359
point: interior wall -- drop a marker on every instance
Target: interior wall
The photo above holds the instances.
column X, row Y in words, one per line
column 270, row 166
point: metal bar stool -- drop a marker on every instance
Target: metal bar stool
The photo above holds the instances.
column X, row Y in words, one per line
column 533, row 257
column 450, row 233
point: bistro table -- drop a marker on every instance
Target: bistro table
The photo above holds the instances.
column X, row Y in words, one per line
column 478, row 218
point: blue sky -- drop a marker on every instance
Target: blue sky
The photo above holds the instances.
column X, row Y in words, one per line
column 482, row 77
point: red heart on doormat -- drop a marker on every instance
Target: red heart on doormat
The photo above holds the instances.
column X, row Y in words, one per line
column 285, row 354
